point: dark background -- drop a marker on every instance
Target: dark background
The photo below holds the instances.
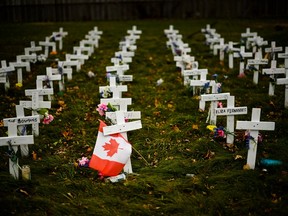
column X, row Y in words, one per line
column 90, row 10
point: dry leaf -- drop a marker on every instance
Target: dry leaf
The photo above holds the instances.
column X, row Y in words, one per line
column 176, row 129
column 34, row 155
column 195, row 127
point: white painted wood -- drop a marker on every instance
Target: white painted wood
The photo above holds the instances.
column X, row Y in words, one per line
column 196, row 74
column 256, row 62
column 4, row 70
column 242, row 55
column 247, row 35
column 58, row 36
column 78, row 56
column 273, row 49
column 284, row 81
column 120, row 104
column 18, row 65
column 272, row 71
column 254, row 126
column 114, row 88
column 231, row 50
column 32, row 49
column 46, row 44
column 285, row 57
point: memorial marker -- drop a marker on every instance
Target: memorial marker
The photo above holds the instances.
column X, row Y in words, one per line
column 273, row 49
column 242, row 55
column 256, row 62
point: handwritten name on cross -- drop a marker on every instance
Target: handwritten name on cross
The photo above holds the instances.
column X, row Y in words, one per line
column 47, row 43
column 273, row 49
column 230, row 111
column 123, row 127
column 13, row 142
column 58, row 36
column 242, row 55
column 19, row 65
column 13, row 128
column 272, row 71
column 285, row 56
column 254, row 126
column 4, row 70
column 256, row 62
column 214, row 98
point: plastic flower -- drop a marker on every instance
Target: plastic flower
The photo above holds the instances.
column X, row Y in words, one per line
column 219, row 105
column 18, row 85
column 211, row 127
column 106, row 93
column 48, row 118
column 83, row 162
column 102, row 108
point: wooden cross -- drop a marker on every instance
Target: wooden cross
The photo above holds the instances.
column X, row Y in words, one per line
column 195, row 73
column 285, row 56
column 242, row 55
column 256, row 62
column 86, row 46
column 134, row 31
column 284, row 81
column 114, row 88
column 95, row 32
column 201, row 83
column 254, row 126
column 231, row 51
column 78, row 56
column 121, row 59
column 171, row 30
column 123, row 127
column 272, row 71
column 47, row 43
column 70, row 63
column 213, row 39
column 4, row 70
column 257, row 42
column 214, row 98
column 62, row 71
column 247, row 35
column 58, row 36
column 91, row 40
column 14, row 124
column 273, row 49
column 13, row 142
column 19, row 65
column 221, row 46
column 32, row 49
column 184, row 60
column 230, row 111
column 28, row 57
column 120, row 69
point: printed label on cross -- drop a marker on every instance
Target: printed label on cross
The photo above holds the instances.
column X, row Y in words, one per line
column 254, row 126
column 214, row 98
column 230, row 111
column 195, row 73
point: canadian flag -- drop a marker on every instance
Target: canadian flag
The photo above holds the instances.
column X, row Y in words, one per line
column 111, row 153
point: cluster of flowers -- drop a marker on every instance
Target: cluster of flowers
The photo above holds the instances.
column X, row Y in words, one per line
column 48, row 118
column 219, row 132
column 106, row 93
column 103, row 108
column 248, row 137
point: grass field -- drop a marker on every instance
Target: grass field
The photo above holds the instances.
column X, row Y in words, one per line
column 174, row 139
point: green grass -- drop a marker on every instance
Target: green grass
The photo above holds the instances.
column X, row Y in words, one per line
column 167, row 140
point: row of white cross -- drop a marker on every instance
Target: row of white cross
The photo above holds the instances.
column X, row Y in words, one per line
column 116, row 72
column 17, row 132
column 197, row 78
column 255, row 43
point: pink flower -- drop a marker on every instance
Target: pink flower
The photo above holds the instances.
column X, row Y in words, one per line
column 102, row 108
column 48, row 118
column 84, row 162
column 219, row 105
column 221, row 133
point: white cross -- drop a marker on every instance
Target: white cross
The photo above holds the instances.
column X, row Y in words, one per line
column 256, row 62
column 247, row 35
column 62, row 71
column 86, row 47
column 134, row 31
column 221, row 46
column 284, row 81
column 257, row 42
column 123, row 127
column 78, row 56
column 285, row 56
column 95, row 32
column 114, row 88
column 184, row 60
column 14, row 124
column 58, row 36
column 273, row 49
column 4, row 70
column 171, row 30
column 70, row 63
column 119, row 69
column 28, row 57
column 19, row 65
column 195, row 73
column 242, row 55
column 231, row 51
column 254, row 126
column 214, row 98
column 230, row 111
column 272, row 71
column 14, row 142
column 32, row 49
column 201, row 83
column 47, row 43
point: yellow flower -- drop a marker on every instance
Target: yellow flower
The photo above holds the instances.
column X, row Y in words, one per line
column 18, row 85
column 211, row 127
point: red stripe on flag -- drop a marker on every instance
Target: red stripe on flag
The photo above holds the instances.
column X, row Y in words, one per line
column 106, row 167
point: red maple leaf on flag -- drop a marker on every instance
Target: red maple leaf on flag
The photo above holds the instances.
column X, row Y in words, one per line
column 111, row 147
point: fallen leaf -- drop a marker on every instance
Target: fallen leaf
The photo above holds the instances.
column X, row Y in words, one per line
column 195, row 127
